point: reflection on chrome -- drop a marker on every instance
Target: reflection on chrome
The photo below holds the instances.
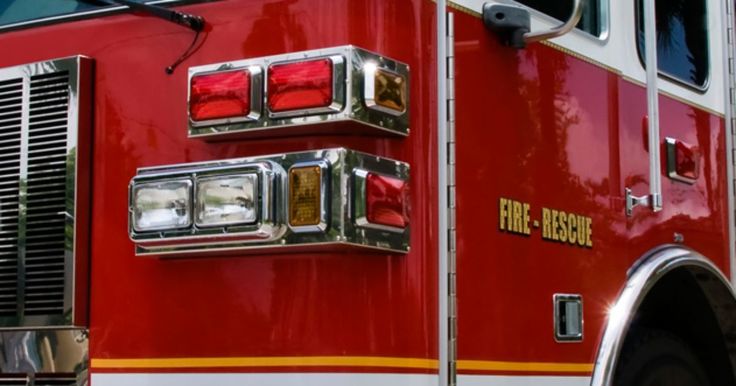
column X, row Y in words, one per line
column 643, row 277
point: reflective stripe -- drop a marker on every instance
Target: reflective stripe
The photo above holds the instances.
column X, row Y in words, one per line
column 172, row 363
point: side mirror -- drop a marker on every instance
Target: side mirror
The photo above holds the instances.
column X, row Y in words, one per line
column 513, row 24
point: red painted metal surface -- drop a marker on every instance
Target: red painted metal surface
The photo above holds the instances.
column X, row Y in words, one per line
column 568, row 137
column 538, row 126
column 296, row 304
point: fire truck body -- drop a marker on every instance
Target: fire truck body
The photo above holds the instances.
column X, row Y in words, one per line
column 523, row 266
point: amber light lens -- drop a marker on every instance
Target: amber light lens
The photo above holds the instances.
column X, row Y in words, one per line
column 390, row 90
column 300, row 86
column 387, row 201
column 305, row 196
column 687, row 160
column 221, row 95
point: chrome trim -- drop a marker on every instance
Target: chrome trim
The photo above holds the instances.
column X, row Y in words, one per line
column 265, row 229
column 446, row 372
column 338, row 89
column 654, row 199
column 671, row 145
column 54, row 353
column 369, row 88
column 324, row 190
column 559, row 336
column 645, row 274
column 256, row 99
column 730, row 76
column 562, row 29
column 360, row 215
column 272, row 232
column 604, row 15
column 348, row 105
column 74, row 86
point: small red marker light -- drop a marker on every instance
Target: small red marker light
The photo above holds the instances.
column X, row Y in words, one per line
column 686, row 158
column 387, row 201
column 683, row 161
column 302, row 87
column 220, row 95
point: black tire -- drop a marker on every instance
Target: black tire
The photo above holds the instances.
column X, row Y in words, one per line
column 658, row 358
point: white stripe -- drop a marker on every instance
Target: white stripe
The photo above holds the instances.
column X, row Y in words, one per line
column 317, row 379
column 510, row 380
column 275, row 379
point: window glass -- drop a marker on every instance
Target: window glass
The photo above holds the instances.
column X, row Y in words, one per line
column 562, row 9
column 682, row 39
column 16, row 11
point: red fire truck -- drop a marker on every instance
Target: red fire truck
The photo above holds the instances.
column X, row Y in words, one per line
column 374, row 192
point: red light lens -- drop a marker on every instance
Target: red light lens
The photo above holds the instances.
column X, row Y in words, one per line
column 387, row 201
column 220, row 95
column 299, row 86
column 687, row 160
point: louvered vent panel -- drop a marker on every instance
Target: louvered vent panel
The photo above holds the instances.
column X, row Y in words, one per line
column 46, row 194
column 11, row 115
column 44, row 117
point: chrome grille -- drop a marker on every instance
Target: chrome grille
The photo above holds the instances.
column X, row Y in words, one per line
column 11, row 115
column 39, row 132
column 38, row 380
column 46, row 194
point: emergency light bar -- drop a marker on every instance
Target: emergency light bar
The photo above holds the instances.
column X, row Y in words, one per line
column 273, row 95
column 316, row 200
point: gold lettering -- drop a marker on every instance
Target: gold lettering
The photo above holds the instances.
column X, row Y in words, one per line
column 555, row 224
column 563, row 227
column 527, row 231
column 581, row 231
column 589, row 226
column 546, row 223
column 502, row 223
column 571, row 228
column 516, row 227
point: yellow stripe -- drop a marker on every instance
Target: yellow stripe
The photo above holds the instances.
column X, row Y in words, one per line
column 413, row 363
column 525, row 366
column 336, row 361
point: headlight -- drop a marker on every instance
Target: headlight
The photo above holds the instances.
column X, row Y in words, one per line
column 227, row 200
column 161, row 205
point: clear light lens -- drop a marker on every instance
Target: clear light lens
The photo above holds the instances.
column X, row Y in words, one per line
column 162, row 205
column 227, row 200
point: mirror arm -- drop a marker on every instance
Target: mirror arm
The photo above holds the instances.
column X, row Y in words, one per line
column 577, row 13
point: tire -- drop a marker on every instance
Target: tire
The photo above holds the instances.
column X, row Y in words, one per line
column 658, row 358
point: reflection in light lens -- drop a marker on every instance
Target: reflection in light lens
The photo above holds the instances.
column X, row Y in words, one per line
column 161, row 205
column 227, row 200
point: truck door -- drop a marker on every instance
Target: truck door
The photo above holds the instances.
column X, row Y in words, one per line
column 547, row 140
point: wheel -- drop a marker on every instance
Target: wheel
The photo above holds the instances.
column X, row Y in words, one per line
column 658, row 358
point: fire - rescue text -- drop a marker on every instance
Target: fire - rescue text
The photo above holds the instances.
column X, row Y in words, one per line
column 557, row 225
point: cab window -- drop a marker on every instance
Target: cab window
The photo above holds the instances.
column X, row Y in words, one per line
column 682, row 40
column 591, row 22
column 19, row 11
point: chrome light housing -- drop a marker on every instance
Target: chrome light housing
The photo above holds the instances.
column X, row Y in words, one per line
column 248, row 205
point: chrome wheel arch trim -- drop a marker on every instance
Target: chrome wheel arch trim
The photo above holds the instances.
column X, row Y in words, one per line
column 641, row 278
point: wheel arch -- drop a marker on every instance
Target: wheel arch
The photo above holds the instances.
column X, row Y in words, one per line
column 664, row 271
